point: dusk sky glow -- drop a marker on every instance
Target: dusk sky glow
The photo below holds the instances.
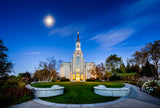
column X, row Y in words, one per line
column 105, row 27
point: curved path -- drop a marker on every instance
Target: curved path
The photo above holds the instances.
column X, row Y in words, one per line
column 137, row 99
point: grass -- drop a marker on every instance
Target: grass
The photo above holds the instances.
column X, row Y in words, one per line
column 79, row 92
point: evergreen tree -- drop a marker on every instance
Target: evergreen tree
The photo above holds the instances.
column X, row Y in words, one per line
column 134, row 68
column 122, row 68
column 128, row 68
column 5, row 64
column 112, row 62
column 148, row 70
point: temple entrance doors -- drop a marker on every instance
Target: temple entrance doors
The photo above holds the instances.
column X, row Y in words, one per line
column 77, row 77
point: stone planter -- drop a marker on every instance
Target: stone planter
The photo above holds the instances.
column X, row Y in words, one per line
column 46, row 92
column 115, row 92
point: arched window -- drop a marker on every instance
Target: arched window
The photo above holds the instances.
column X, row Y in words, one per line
column 77, row 46
column 77, row 64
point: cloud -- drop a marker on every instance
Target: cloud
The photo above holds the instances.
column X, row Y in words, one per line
column 119, row 34
column 33, row 53
column 128, row 27
column 113, row 37
column 139, row 6
column 64, row 31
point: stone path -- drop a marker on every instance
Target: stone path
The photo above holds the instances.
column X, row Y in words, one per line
column 137, row 99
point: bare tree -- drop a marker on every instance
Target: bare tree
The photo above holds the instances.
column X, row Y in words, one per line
column 154, row 53
column 48, row 69
column 98, row 70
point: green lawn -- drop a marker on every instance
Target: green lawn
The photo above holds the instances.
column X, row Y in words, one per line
column 79, row 92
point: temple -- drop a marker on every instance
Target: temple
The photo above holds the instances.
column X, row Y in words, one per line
column 77, row 69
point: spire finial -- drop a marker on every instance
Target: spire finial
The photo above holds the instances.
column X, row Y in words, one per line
column 78, row 36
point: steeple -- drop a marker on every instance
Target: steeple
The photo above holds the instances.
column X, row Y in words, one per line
column 78, row 36
column 78, row 44
column 78, row 51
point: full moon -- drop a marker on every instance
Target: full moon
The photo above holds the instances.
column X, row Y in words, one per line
column 49, row 20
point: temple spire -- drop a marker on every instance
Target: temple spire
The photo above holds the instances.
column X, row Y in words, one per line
column 78, row 36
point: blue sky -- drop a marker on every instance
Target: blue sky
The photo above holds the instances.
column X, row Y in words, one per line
column 106, row 27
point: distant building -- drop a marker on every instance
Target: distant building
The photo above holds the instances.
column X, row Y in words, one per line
column 77, row 69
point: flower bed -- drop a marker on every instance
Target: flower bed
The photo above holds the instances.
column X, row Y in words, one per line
column 152, row 87
column 13, row 91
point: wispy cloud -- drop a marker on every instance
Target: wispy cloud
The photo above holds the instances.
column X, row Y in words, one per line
column 33, row 53
column 121, row 33
column 67, row 30
column 113, row 37
column 127, row 28
column 139, row 6
column 64, row 31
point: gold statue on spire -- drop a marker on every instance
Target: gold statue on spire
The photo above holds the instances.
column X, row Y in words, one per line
column 78, row 32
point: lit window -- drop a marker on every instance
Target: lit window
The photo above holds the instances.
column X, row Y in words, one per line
column 74, row 77
column 81, row 76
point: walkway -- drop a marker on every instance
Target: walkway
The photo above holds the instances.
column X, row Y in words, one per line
column 137, row 99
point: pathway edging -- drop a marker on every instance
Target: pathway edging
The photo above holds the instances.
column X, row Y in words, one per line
column 38, row 100
column 136, row 99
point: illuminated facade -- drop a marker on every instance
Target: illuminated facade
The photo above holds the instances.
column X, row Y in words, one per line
column 77, row 69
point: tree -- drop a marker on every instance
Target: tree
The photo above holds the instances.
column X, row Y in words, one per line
column 108, row 75
column 47, row 70
column 112, row 62
column 122, row 68
column 92, row 71
column 134, row 68
column 20, row 75
column 138, row 59
column 26, row 74
column 42, row 75
column 5, row 64
column 151, row 52
column 145, row 54
column 131, row 61
column 148, row 70
column 154, row 53
column 100, row 71
column 128, row 68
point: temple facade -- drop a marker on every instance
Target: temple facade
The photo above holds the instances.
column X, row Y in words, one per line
column 77, row 69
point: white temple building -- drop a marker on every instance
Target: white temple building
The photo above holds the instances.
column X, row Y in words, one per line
column 77, row 69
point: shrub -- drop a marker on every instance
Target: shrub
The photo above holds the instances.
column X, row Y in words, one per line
column 53, row 81
column 139, row 83
column 98, row 80
column 15, row 96
column 152, row 87
column 63, row 80
column 9, row 84
column 58, row 80
column 90, row 80
column 13, row 91
column 133, row 82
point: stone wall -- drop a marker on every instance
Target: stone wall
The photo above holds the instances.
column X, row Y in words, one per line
column 46, row 92
column 115, row 92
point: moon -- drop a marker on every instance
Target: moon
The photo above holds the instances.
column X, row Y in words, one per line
column 49, row 20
